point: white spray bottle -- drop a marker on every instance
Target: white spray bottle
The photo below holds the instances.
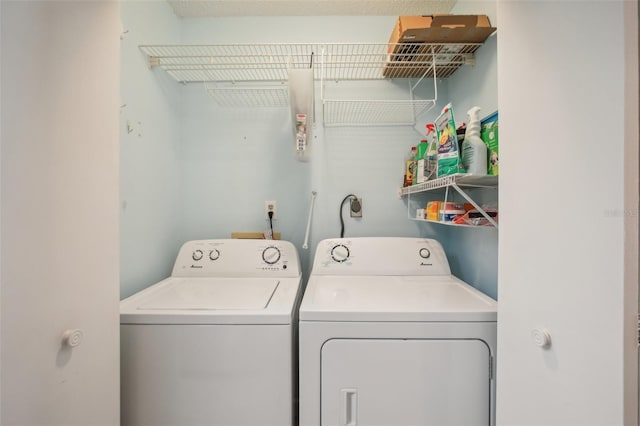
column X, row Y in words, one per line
column 474, row 150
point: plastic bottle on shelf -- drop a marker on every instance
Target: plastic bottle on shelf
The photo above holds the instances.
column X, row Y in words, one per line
column 431, row 157
column 419, row 175
column 474, row 150
column 409, row 166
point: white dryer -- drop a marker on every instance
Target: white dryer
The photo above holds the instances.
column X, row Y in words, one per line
column 214, row 343
column 388, row 337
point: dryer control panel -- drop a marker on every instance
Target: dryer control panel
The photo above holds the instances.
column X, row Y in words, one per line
column 237, row 258
column 380, row 256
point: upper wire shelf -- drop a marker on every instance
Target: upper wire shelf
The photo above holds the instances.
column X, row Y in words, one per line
column 231, row 71
column 339, row 61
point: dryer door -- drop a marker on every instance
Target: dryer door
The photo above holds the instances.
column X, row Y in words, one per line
column 378, row 382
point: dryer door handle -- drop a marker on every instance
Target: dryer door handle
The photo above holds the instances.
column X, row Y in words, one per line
column 349, row 407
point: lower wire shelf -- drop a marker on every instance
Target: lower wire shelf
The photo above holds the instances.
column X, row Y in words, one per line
column 459, row 225
column 457, row 182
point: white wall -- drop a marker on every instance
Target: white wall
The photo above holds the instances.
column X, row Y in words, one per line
column 561, row 99
column 632, row 214
column 59, row 225
column 151, row 207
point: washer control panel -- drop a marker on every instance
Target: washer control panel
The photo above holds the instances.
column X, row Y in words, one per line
column 237, row 257
column 380, row 256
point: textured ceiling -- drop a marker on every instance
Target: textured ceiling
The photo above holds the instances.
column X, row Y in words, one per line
column 204, row 8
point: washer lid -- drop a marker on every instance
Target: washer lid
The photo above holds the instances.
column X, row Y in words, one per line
column 394, row 298
column 222, row 300
column 212, row 294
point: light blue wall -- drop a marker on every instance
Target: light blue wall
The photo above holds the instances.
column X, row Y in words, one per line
column 473, row 253
column 150, row 180
column 232, row 160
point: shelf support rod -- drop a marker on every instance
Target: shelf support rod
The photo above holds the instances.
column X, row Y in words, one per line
column 323, row 50
column 435, row 82
column 474, row 204
column 433, row 66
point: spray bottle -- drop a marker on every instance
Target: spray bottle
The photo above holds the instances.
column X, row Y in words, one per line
column 474, row 150
column 419, row 176
column 431, row 157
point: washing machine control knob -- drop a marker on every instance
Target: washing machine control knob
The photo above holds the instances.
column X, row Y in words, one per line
column 340, row 253
column 197, row 255
column 425, row 253
column 271, row 255
column 214, row 254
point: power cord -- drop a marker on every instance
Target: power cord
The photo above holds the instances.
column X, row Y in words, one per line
column 270, row 213
column 341, row 219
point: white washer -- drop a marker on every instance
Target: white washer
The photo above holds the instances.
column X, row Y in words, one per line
column 389, row 337
column 214, row 343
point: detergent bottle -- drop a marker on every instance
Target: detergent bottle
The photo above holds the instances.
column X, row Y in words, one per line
column 410, row 165
column 474, row 150
column 419, row 175
column 431, row 157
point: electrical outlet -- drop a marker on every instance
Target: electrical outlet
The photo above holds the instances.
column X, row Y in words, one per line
column 355, row 207
column 270, row 206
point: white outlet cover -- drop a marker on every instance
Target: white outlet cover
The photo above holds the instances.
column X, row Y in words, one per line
column 270, row 205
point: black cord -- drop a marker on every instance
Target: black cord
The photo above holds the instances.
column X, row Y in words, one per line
column 341, row 219
column 271, row 224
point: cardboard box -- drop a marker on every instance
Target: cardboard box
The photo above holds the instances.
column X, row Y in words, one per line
column 432, row 212
column 440, row 29
column 489, row 134
column 410, row 47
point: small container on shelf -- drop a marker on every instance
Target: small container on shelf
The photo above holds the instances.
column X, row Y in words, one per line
column 409, row 168
column 450, row 211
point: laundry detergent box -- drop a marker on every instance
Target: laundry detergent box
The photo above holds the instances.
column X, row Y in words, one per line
column 449, row 161
column 489, row 134
column 432, row 210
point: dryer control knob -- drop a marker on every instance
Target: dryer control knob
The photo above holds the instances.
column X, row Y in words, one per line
column 197, row 255
column 271, row 255
column 541, row 338
column 72, row 337
column 340, row 253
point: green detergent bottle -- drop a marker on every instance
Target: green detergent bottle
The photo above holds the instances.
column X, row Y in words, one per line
column 431, row 157
column 420, row 162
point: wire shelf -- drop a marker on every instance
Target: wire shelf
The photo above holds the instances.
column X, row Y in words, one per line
column 373, row 112
column 229, row 62
column 456, row 182
column 331, row 61
column 242, row 64
column 243, row 97
column 459, row 179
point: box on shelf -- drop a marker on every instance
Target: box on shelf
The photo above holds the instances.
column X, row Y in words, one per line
column 440, row 29
column 410, row 52
column 432, row 212
column 489, row 134
column 445, row 212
